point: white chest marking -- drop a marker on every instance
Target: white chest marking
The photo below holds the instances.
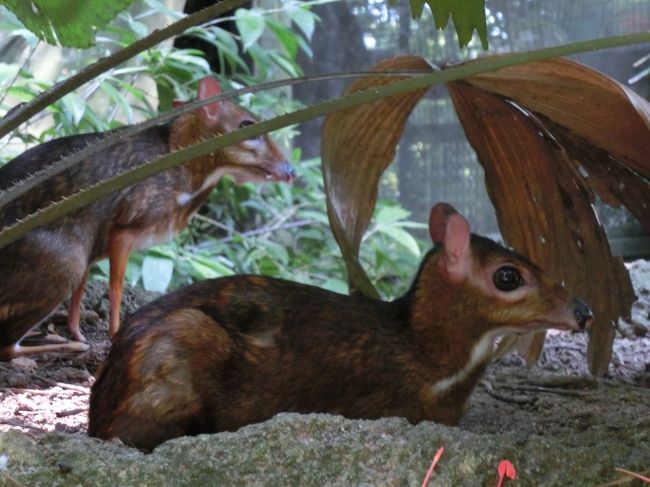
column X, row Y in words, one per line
column 213, row 178
column 480, row 353
column 184, row 198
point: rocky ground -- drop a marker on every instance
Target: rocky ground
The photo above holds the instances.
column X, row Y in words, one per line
column 554, row 408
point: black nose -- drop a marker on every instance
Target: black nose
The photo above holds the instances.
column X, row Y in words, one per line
column 582, row 313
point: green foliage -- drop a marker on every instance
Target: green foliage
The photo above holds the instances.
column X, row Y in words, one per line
column 57, row 21
column 281, row 231
column 118, row 97
column 468, row 15
column 275, row 229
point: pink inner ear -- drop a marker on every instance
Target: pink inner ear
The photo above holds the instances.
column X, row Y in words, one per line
column 456, row 256
column 209, row 87
column 438, row 217
column 456, row 240
column 450, row 228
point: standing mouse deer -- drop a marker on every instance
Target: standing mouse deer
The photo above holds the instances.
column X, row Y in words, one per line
column 51, row 263
column 220, row 354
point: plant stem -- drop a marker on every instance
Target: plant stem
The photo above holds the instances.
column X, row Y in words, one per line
column 86, row 196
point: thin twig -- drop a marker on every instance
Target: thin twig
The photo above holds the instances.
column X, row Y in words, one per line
column 19, row 424
column 634, row 474
column 622, row 480
column 273, row 228
column 436, row 458
column 20, row 390
column 63, row 385
column 553, row 390
column 70, row 412
column 249, row 233
column 12, row 480
column 565, row 347
column 489, row 388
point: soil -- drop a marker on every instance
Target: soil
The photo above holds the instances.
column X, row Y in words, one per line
column 556, row 397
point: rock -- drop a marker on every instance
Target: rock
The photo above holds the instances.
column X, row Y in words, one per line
column 23, row 364
column 324, row 450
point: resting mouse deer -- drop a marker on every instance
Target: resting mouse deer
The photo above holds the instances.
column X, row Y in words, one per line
column 223, row 353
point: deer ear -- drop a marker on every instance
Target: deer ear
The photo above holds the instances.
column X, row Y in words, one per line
column 209, row 87
column 177, row 103
column 438, row 217
column 450, row 228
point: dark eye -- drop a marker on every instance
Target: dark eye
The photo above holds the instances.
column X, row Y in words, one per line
column 246, row 123
column 507, row 278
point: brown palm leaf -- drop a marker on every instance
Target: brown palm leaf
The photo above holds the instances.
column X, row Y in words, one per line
column 357, row 146
column 550, row 136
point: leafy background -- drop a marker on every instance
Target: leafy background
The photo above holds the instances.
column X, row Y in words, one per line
column 272, row 229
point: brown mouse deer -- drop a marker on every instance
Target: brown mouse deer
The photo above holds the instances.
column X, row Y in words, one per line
column 51, row 263
column 220, row 354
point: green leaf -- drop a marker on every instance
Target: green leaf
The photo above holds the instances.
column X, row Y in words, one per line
column 390, row 214
column 250, row 24
column 133, row 273
column 285, row 64
column 22, row 93
column 207, row 268
column 305, row 47
column 138, row 28
column 157, row 273
column 417, row 6
column 312, row 234
column 403, row 238
column 277, row 252
column 188, row 58
column 163, row 250
column 103, row 267
column 468, row 15
column 119, row 99
column 335, row 285
column 318, row 216
column 71, row 24
column 227, row 47
column 304, row 19
column 75, row 105
column 287, row 37
column 8, row 72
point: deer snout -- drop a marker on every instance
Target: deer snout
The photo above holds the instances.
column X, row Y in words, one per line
column 582, row 314
column 288, row 173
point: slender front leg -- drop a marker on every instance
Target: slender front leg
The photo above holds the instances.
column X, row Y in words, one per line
column 119, row 248
column 74, row 311
column 13, row 351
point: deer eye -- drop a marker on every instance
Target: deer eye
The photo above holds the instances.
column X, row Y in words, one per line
column 246, row 123
column 507, row 278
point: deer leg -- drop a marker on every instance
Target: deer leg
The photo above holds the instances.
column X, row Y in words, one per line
column 120, row 246
column 74, row 311
column 11, row 346
column 18, row 351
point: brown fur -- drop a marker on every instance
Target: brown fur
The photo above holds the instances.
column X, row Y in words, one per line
column 250, row 347
column 59, row 254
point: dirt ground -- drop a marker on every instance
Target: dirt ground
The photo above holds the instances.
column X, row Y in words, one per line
column 50, row 392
